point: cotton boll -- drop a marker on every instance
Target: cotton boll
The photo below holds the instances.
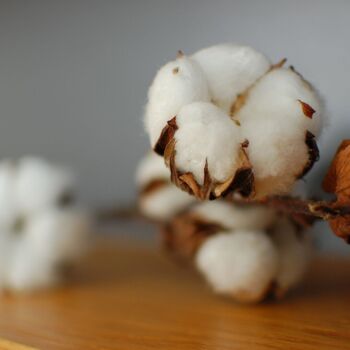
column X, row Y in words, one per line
column 273, row 121
column 241, row 264
column 238, row 217
column 37, row 234
column 294, row 249
column 205, row 133
column 151, row 167
column 165, row 202
column 40, row 184
column 50, row 239
column 176, row 84
column 230, row 69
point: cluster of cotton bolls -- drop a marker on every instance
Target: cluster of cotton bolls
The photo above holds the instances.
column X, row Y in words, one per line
column 227, row 120
column 245, row 251
column 41, row 230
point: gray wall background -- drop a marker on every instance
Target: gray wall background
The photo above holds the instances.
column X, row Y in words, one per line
column 74, row 74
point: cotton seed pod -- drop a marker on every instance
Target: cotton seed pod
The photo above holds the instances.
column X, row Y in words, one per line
column 40, row 230
column 275, row 117
column 247, row 252
column 158, row 198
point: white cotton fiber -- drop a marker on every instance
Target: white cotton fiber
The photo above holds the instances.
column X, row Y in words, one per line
column 164, row 202
column 151, row 167
column 230, row 69
column 176, row 84
column 206, row 133
column 241, row 264
column 50, row 239
column 273, row 121
column 36, row 234
column 233, row 216
column 40, row 184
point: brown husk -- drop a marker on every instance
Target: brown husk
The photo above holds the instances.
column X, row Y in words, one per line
column 166, row 135
column 313, row 153
column 186, row 232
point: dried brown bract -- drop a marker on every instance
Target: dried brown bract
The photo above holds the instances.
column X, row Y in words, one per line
column 337, row 181
column 184, row 234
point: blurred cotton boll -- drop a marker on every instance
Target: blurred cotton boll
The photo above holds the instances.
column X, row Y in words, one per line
column 41, row 230
column 159, row 199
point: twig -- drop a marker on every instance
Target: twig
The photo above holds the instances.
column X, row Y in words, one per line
column 325, row 210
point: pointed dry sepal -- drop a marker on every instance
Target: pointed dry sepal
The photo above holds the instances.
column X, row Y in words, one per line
column 241, row 182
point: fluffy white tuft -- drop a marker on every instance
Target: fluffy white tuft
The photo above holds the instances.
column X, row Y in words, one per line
column 206, row 133
column 241, row 264
column 36, row 234
column 176, row 84
column 165, row 201
column 50, row 241
column 294, row 251
column 40, row 184
column 273, row 121
column 236, row 217
column 151, row 167
column 230, row 69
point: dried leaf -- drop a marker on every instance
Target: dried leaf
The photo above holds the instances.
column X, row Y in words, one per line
column 338, row 175
column 307, row 109
column 337, row 181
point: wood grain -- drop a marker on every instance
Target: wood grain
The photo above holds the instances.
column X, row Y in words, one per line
column 126, row 296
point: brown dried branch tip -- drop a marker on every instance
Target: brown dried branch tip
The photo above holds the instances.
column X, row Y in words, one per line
column 242, row 181
column 337, row 181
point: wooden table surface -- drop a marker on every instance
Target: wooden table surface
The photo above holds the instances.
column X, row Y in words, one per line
column 126, row 296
